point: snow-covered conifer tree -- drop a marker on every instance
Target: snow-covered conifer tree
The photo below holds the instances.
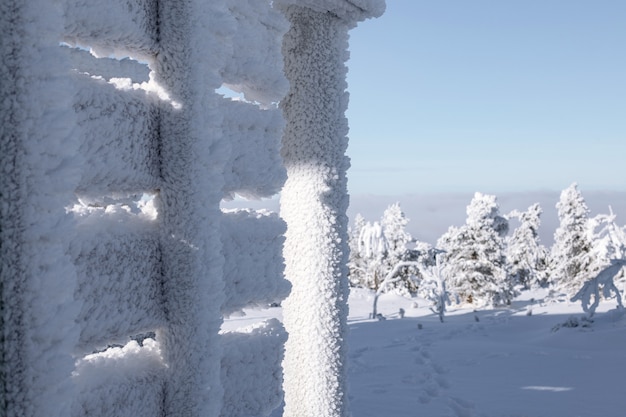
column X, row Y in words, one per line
column 372, row 250
column 379, row 247
column 356, row 264
column 526, row 257
column 474, row 258
column 571, row 255
column 609, row 239
column 433, row 286
column 393, row 223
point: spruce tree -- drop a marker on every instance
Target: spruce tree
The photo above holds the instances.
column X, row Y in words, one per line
column 356, row 263
column 475, row 263
column 571, row 255
column 526, row 257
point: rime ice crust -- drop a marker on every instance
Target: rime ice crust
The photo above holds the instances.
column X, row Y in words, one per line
column 352, row 11
column 39, row 171
column 85, row 262
column 110, row 102
column 313, row 203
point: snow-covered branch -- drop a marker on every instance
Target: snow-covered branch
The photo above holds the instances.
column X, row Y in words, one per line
column 390, row 278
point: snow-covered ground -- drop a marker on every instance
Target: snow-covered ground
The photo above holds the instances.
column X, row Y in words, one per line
column 490, row 363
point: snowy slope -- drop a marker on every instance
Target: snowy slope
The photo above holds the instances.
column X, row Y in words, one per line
column 506, row 364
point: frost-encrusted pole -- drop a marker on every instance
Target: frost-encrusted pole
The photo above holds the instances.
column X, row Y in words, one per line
column 191, row 169
column 38, row 174
column 314, row 202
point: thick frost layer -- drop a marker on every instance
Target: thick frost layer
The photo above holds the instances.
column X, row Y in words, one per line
column 84, row 136
column 253, row 270
column 193, row 158
column 118, row 128
column 37, row 161
column 119, row 27
column 121, row 381
column 255, row 67
column 255, row 168
column 313, row 203
column 350, row 10
column 197, row 151
column 117, row 258
column 251, row 369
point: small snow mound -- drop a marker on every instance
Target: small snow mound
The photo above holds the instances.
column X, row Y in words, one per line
column 573, row 322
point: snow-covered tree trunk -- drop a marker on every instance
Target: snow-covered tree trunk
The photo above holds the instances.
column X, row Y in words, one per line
column 313, row 203
column 191, row 165
column 38, row 177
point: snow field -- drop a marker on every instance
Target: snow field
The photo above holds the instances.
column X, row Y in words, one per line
column 492, row 363
column 488, row 363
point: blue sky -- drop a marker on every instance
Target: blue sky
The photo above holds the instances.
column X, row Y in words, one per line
column 488, row 95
